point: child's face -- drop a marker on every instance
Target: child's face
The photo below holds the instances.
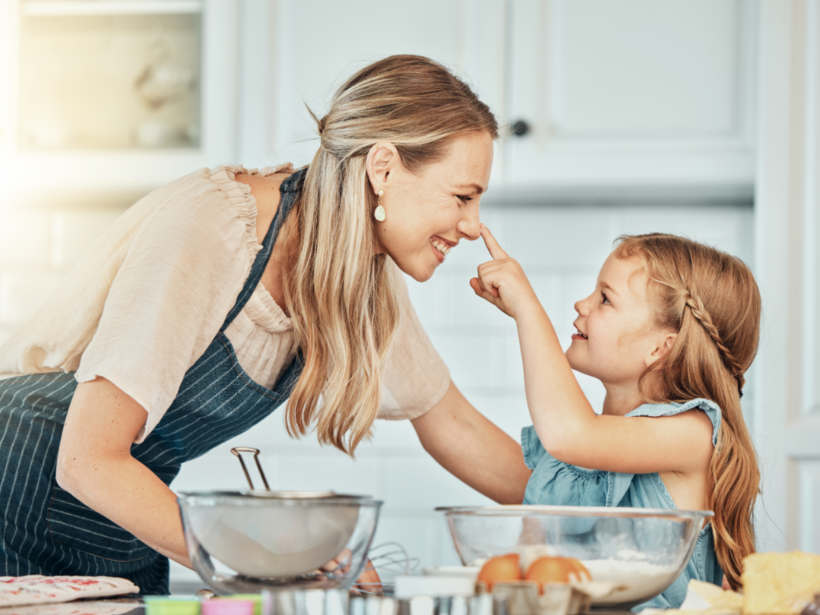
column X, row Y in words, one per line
column 616, row 335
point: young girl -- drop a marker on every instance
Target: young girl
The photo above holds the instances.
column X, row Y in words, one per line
column 669, row 329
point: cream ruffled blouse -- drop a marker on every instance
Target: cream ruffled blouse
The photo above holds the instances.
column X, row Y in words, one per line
column 151, row 295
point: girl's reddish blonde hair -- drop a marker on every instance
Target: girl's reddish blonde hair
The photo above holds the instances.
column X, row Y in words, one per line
column 712, row 300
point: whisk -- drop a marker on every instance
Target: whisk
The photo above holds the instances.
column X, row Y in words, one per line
column 389, row 559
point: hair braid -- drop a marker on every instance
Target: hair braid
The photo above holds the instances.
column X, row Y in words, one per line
column 701, row 314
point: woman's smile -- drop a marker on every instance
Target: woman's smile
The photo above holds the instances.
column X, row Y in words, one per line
column 441, row 247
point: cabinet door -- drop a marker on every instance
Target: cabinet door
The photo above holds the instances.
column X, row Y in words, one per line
column 631, row 92
column 309, row 47
column 787, row 266
column 117, row 97
column 7, row 77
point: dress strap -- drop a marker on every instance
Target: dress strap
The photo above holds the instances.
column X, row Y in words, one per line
column 289, row 191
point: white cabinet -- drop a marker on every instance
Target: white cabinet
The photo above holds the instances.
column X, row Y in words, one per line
column 118, row 95
column 634, row 93
column 787, row 235
column 6, row 66
column 297, row 52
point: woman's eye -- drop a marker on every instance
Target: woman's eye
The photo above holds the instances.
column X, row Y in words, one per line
column 464, row 198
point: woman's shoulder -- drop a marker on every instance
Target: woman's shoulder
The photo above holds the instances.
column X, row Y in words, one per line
column 221, row 179
column 206, row 203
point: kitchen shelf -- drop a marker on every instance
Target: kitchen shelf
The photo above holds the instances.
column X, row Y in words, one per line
column 57, row 157
column 52, row 177
column 56, row 8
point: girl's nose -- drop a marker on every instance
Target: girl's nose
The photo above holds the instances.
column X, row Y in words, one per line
column 581, row 305
column 470, row 224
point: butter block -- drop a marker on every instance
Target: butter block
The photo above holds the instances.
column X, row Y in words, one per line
column 775, row 583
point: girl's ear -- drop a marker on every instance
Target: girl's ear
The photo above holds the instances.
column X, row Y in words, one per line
column 663, row 345
column 381, row 160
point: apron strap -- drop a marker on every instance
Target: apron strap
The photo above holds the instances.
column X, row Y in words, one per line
column 289, row 191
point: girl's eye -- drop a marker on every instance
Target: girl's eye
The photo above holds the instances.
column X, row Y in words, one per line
column 604, row 298
column 464, row 198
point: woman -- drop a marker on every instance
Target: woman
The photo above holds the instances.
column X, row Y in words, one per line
column 219, row 296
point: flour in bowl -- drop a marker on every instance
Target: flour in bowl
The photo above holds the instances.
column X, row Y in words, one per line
column 617, row 581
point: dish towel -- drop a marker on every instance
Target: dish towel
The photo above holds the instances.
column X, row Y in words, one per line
column 40, row 589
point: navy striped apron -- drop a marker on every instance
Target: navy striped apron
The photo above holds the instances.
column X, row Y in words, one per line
column 43, row 529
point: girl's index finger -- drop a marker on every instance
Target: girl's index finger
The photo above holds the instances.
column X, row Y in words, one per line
column 493, row 247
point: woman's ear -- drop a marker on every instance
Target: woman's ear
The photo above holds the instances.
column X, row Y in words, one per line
column 380, row 162
column 663, row 345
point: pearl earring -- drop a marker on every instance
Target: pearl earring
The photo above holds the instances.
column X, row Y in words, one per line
column 379, row 214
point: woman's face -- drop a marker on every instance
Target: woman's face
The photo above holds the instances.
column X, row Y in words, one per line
column 430, row 210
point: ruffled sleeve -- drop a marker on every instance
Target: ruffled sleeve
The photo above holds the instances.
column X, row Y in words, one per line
column 181, row 273
column 415, row 377
column 710, row 408
column 558, row 483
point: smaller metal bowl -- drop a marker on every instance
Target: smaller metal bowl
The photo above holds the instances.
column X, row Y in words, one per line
column 245, row 541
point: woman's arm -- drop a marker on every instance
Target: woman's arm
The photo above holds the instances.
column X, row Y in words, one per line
column 473, row 449
column 94, row 464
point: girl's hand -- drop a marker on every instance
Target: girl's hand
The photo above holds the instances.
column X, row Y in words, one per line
column 502, row 281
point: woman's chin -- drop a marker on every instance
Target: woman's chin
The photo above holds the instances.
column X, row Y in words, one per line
column 419, row 272
column 420, row 277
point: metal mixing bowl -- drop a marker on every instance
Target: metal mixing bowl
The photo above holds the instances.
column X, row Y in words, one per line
column 632, row 554
column 251, row 540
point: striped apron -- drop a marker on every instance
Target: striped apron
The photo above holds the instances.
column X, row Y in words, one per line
column 45, row 530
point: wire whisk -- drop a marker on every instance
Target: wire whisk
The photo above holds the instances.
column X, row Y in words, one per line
column 388, row 560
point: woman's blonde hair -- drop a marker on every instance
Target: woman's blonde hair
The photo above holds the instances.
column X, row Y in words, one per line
column 339, row 293
column 712, row 300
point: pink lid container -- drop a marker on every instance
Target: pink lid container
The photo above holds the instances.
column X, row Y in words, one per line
column 227, row 606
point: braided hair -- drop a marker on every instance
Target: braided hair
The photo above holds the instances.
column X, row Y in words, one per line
column 712, row 300
column 700, row 312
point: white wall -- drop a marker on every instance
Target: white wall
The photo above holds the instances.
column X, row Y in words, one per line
column 560, row 246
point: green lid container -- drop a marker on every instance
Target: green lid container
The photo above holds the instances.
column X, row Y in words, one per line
column 172, row 605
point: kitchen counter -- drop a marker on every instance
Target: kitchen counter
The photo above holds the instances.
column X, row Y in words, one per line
column 137, row 606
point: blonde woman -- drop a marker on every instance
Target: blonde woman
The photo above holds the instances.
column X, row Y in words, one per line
column 222, row 295
column 669, row 329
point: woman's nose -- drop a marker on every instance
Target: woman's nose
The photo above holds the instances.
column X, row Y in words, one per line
column 470, row 224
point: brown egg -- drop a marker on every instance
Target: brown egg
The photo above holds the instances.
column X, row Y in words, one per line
column 499, row 569
column 556, row 570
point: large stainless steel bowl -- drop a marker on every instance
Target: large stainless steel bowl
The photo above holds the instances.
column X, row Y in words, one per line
column 632, row 554
column 251, row 540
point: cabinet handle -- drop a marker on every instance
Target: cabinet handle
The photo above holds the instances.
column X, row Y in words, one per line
column 520, row 128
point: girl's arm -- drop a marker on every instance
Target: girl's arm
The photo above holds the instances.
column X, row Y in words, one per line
column 473, row 449
column 564, row 420
column 94, row 464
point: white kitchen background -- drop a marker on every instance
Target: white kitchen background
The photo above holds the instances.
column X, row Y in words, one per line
column 695, row 117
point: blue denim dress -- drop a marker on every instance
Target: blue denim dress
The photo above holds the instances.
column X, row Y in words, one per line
column 558, row 483
column 45, row 530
